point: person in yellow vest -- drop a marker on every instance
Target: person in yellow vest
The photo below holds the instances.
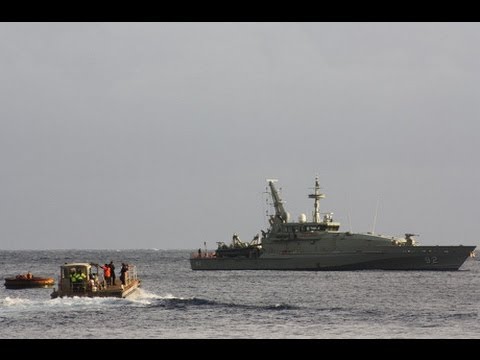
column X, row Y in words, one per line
column 73, row 279
column 80, row 275
column 81, row 279
column 78, row 280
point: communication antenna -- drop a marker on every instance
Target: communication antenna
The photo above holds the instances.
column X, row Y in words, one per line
column 375, row 217
column 349, row 217
column 349, row 220
column 316, row 196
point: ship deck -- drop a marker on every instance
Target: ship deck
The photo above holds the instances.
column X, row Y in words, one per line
column 109, row 291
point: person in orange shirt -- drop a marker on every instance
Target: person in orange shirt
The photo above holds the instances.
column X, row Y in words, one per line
column 106, row 274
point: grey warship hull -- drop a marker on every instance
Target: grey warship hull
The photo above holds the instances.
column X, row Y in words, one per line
column 436, row 258
column 318, row 245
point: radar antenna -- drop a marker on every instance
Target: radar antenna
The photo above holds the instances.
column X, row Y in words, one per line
column 317, row 196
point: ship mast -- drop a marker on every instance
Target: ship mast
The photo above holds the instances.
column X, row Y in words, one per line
column 277, row 202
column 317, row 196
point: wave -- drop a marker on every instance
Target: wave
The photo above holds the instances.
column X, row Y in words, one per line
column 78, row 303
column 148, row 299
column 140, row 298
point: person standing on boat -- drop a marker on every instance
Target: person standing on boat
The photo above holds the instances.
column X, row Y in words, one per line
column 112, row 272
column 72, row 275
column 81, row 277
column 73, row 279
column 106, row 273
column 123, row 272
column 77, row 278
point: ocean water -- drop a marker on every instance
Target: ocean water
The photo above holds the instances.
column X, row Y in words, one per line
column 176, row 302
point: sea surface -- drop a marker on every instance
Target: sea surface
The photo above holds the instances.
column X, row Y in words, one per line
column 176, row 302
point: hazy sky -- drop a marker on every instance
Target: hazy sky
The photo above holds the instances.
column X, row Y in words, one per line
column 161, row 135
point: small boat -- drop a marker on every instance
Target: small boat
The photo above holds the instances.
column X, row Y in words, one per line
column 84, row 280
column 23, row 281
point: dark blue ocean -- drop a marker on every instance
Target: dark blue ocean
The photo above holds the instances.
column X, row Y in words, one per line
column 176, row 302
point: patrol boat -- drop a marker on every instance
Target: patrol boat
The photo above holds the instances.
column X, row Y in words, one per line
column 83, row 279
column 320, row 245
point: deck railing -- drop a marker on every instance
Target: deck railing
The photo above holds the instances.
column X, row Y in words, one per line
column 203, row 255
column 131, row 274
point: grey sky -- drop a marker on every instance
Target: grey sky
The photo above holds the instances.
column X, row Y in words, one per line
column 161, row 135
